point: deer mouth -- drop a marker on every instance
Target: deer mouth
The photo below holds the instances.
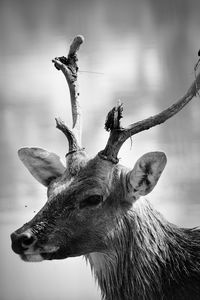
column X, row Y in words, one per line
column 36, row 256
column 31, row 257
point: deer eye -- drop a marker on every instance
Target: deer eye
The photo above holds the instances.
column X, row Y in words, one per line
column 91, row 201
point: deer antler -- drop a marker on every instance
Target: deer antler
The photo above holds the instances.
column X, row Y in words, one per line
column 118, row 134
column 68, row 65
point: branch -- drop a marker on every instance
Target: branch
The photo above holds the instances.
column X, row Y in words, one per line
column 119, row 135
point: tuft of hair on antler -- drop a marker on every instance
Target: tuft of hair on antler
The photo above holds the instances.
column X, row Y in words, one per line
column 69, row 67
column 113, row 117
column 118, row 134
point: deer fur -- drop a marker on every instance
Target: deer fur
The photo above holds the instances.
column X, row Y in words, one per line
column 149, row 259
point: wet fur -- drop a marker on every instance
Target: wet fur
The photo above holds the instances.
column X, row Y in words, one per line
column 150, row 258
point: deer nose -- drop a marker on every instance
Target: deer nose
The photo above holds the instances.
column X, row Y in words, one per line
column 22, row 241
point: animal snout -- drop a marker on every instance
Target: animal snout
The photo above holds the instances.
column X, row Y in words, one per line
column 22, row 241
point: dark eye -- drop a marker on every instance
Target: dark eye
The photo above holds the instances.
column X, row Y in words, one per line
column 91, row 201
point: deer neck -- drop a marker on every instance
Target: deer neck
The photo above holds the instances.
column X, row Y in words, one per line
column 148, row 254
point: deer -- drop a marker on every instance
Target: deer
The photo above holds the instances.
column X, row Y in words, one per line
column 97, row 208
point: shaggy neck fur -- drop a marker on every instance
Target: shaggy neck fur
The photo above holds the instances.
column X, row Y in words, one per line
column 149, row 259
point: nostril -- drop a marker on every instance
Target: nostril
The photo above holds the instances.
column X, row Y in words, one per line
column 22, row 241
column 27, row 240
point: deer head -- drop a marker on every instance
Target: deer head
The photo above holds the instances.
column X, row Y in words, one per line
column 87, row 197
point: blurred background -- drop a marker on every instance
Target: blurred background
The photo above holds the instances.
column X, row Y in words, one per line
column 142, row 52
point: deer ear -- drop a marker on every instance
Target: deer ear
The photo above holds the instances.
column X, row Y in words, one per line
column 43, row 165
column 146, row 172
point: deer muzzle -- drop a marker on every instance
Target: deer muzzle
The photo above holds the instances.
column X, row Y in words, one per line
column 25, row 244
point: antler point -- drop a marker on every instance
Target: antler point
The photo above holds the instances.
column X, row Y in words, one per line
column 80, row 37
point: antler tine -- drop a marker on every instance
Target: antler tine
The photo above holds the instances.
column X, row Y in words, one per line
column 68, row 65
column 118, row 134
column 73, row 143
